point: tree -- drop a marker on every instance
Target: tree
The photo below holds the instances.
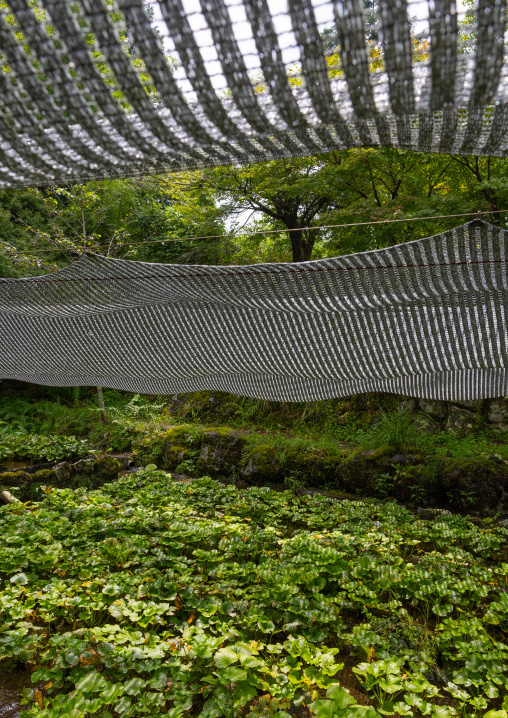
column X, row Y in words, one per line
column 292, row 193
column 351, row 187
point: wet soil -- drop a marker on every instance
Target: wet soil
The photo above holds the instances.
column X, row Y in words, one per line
column 13, row 678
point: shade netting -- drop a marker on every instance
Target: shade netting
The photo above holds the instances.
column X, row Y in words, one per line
column 94, row 90
column 426, row 318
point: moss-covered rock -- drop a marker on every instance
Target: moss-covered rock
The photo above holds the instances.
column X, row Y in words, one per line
column 93, row 473
column 436, row 410
column 462, row 421
column 148, row 449
column 46, row 476
column 221, row 451
column 64, row 472
column 11, row 479
column 84, row 467
column 90, row 472
column 359, row 471
column 106, row 469
column 180, row 444
column 261, row 464
column 496, row 411
column 475, row 483
column 207, row 405
column 26, row 486
column 426, row 423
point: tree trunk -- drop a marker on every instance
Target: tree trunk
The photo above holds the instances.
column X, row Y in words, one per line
column 101, row 404
column 296, row 245
column 301, row 246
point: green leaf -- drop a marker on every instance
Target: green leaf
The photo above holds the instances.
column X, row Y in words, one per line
column 225, row 657
column 134, row 686
column 112, row 692
column 249, row 661
column 402, row 709
column 324, row 708
column 19, row 578
column 386, row 708
column 71, row 658
column 233, row 674
column 90, row 683
column 340, row 696
column 122, row 705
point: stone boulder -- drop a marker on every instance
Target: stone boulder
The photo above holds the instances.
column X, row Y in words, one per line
column 496, row 411
column 437, row 410
column 461, row 420
column 475, row 405
column 180, row 444
column 261, row 464
column 357, row 473
column 474, row 483
column 90, row 472
column 221, row 451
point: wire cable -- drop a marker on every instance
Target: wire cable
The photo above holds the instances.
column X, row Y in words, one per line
column 296, row 229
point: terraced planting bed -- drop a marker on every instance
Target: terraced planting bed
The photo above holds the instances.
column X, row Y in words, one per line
column 156, row 597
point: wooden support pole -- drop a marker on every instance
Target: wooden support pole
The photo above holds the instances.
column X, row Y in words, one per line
column 100, row 397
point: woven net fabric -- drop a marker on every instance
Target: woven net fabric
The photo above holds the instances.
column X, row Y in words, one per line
column 426, row 318
column 96, row 89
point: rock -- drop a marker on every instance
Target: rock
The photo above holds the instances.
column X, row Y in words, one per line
column 261, row 464
column 437, row 410
column 15, row 478
column 84, row 467
column 63, row 471
column 408, row 405
column 428, row 514
column 93, row 472
column 46, row 477
column 476, row 521
column 496, row 410
column 398, row 459
column 221, row 451
column 106, row 469
column 179, row 445
column 503, row 524
column 372, row 454
column 475, row 405
column 461, row 421
column 426, row 423
column 26, row 486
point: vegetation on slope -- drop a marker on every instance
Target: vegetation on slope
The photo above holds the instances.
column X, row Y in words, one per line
column 157, row 597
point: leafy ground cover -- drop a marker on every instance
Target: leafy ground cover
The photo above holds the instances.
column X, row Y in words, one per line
column 153, row 597
column 34, row 447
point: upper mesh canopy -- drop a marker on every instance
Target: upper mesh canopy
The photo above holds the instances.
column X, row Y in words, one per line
column 426, row 318
column 91, row 90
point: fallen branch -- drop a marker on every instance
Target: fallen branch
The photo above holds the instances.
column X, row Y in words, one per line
column 9, row 498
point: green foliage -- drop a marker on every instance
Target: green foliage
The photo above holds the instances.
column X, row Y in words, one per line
column 394, row 429
column 182, row 217
column 35, row 447
column 152, row 597
column 124, row 422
